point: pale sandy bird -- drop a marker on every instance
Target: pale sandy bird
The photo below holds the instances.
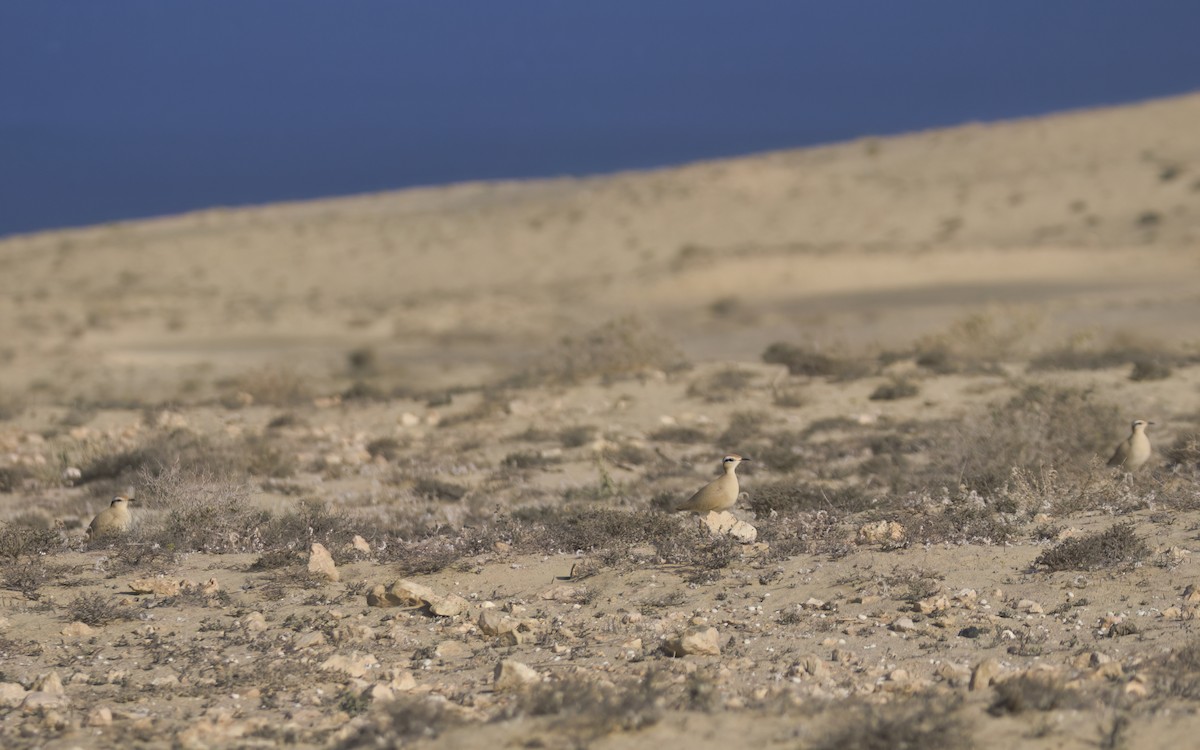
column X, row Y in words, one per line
column 114, row 519
column 1134, row 450
column 719, row 494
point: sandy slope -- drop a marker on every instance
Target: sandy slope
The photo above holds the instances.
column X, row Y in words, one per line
column 1088, row 219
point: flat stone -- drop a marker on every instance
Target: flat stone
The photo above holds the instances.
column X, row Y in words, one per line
column 449, row 605
column 696, row 640
column 157, row 586
column 78, row 630
column 724, row 523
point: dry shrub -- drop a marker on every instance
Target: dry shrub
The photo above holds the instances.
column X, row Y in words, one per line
column 896, row 388
column 797, row 497
column 201, row 512
column 97, row 609
column 588, row 709
column 1184, row 453
column 621, row 347
column 1034, row 692
column 1177, row 673
column 23, row 540
column 1041, row 426
column 977, row 342
column 1124, row 348
column 924, row 721
column 271, row 386
column 27, row 576
column 679, row 434
column 720, row 386
column 1114, row 546
column 402, row 721
column 805, row 360
column 1096, row 488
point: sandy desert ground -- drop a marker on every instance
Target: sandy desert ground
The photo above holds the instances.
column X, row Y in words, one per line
column 483, row 401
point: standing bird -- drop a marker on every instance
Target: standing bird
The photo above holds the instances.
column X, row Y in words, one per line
column 1134, row 450
column 114, row 519
column 719, row 494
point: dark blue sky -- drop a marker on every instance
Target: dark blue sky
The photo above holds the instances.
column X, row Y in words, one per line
column 130, row 108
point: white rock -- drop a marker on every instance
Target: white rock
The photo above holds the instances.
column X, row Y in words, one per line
column 513, row 675
column 699, row 639
column 724, row 523
column 320, row 563
column 11, row 694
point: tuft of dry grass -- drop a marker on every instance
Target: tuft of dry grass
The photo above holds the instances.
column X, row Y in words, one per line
column 619, row 348
column 1114, row 546
column 96, row 609
column 804, row 360
column 1043, row 425
column 1034, row 692
column 721, row 386
column 589, row 709
column 924, row 721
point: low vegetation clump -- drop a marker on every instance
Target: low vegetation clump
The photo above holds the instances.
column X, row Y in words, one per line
column 1061, row 427
column 96, row 609
column 588, row 709
column 1033, row 692
column 924, row 721
column 721, row 386
column 804, row 360
column 1117, row 545
column 620, row 348
column 896, row 388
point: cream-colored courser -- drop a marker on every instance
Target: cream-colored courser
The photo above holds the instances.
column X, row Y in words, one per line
column 1134, row 450
column 719, row 494
column 114, row 519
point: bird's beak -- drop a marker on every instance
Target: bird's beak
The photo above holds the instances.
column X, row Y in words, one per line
column 745, row 459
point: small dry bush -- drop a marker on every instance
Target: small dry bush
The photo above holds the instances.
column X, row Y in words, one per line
column 619, row 348
column 592, row 529
column 679, row 434
column 24, row 540
column 588, row 709
column 1114, row 546
column 965, row 518
column 977, row 342
column 797, row 497
column 1034, row 692
column 200, row 512
column 721, row 386
column 97, row 609
column 1043, row 425
column 1084, row 352
column 27, row 576
column 924, row 721
column 400, row 722
column 249, row 454
column 816, row 532
column 805, row 360
column 896, row 388
column 270, row 386
column 1177, row 673
column 743, row 427
column 1184, row 453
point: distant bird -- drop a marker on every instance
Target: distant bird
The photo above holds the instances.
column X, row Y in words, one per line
column 1134, row 450
column 114, row 519
column 719, row 494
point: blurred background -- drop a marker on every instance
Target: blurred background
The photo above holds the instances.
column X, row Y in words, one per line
column 114, row 111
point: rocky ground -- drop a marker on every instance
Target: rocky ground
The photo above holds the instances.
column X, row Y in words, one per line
column 403, row 466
